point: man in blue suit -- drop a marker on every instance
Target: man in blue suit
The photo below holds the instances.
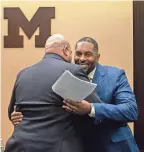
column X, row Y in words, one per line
column 110, row 132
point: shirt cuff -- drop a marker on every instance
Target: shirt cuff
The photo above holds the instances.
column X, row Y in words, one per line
column 92, row 113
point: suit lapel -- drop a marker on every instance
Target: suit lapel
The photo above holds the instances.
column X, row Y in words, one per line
column 99, row 77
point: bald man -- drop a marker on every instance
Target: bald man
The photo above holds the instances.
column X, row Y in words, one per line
column 46, row 126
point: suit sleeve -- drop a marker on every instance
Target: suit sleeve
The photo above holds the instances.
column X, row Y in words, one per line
column 124, row 107
column 13, row 96
column 12, row 102
column 93, row 97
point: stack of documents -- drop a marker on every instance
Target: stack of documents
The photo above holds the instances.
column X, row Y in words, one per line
column 70, row 87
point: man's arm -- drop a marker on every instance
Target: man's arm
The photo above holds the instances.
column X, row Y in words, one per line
column 11, row 108
column 12, row 102
column 124, row 107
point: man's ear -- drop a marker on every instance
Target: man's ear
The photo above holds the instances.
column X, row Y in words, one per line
column 98, row 57
column 65, row 50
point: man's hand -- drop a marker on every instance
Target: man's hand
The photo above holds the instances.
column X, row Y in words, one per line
column 79, row 107
column 16, row 117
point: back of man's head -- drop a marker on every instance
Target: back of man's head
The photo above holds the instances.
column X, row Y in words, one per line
column 55, row 37
column 58, row 45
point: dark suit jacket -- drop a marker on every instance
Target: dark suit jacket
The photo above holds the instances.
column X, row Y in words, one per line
column 46, row 127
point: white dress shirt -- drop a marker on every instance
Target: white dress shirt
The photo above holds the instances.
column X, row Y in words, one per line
column 90, row 76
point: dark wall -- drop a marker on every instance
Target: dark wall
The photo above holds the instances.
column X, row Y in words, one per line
column 138, row 14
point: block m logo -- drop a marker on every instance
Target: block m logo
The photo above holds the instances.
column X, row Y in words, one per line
column 16, row 19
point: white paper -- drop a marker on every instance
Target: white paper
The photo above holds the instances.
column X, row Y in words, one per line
column 70, row 87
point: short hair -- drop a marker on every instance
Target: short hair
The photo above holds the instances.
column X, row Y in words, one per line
column 90, row 40
column 54, row 38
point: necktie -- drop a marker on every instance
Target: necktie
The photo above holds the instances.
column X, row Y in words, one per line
column 90, row 79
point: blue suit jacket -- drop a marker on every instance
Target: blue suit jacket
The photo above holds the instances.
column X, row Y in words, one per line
column 118, row 107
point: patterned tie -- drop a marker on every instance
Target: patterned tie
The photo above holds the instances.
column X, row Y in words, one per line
column 90, row 79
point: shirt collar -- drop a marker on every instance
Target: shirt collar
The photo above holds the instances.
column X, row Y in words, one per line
column 91, row 75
